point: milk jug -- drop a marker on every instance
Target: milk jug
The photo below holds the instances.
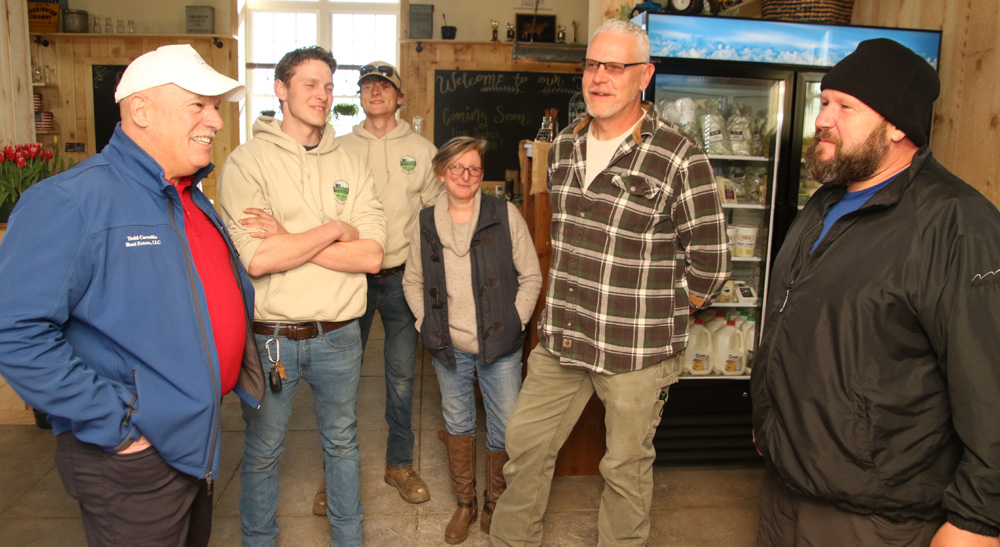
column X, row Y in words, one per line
column 749, row 329
column 728, row 351
column 716, row 322
column 697, row 356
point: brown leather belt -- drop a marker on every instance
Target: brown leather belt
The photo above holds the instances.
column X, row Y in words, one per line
column 298, row 331
column 390, row 271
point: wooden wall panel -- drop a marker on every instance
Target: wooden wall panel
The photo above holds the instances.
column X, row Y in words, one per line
column 17, row 121
column 966, row 133
column 70, row 57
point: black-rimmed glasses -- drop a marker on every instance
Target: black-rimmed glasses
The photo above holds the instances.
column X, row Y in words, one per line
column 386, row 71
column 474, row 172
column 614, row 69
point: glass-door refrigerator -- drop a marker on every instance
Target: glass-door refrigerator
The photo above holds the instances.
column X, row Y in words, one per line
column 747, row 90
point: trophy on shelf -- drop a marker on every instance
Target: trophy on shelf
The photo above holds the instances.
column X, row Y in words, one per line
column 494, row 25
column 510, row 32
column 561, row 34
column 576, row 32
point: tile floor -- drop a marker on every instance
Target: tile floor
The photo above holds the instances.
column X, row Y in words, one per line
column 692, row 505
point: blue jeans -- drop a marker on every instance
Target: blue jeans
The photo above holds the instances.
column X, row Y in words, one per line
column 385, row 294
column 331, row 363
column 500, row 383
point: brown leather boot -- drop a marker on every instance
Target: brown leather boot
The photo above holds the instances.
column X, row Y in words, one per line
column 462, row 466
column 495, row 485
column 319, row 502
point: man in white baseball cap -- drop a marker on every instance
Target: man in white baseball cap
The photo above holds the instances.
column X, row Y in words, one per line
column 134, row 321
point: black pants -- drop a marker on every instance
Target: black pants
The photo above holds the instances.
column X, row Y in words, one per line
column 133, row 499
column 789, row 519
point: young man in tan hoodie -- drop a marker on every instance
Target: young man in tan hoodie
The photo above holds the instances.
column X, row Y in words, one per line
column 308, row 225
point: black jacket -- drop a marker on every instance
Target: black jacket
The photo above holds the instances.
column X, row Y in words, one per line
column 494, row 279
column 877, row 383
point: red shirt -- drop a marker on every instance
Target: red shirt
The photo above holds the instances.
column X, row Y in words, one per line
column 225, row 303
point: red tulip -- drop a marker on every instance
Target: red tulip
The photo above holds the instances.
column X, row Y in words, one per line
column 32, row 152
column 48, row 154
column 21, row 162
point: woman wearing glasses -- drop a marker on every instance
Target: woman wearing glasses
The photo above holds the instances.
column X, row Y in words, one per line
column 472, row 280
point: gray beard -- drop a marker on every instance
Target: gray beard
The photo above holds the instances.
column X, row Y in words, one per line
column 847, row 167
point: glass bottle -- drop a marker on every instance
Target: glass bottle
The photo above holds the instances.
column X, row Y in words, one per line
column 120, row 29
column 131, row 27
column 418, row 124
column 36, row 74
column 97, row 25
column 108, row 29
column 544, row 132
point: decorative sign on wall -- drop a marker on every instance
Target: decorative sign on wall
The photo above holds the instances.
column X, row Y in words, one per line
column 421, row 21
column 500, row 106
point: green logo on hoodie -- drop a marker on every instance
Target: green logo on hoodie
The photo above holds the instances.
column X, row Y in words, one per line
column 340, row 190
column 408, row 164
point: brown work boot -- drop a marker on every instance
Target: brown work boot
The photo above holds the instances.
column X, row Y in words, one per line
column 411, row 487
column 319, row 502
column 462, row 466
column 495, row 485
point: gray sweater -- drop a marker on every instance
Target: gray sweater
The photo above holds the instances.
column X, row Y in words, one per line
column 456, row 239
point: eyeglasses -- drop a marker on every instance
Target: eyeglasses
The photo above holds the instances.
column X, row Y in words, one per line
column 614, row 69
column 474, row 172
column 386, row 71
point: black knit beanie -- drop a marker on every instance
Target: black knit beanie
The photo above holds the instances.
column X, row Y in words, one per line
column 892, row 80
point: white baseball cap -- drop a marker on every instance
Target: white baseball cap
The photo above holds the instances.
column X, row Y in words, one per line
column 180, row 65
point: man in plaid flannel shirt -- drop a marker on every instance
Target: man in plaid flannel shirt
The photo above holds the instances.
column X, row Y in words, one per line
column 638, row 237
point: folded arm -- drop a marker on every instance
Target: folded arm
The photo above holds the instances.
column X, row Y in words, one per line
column 333, row 245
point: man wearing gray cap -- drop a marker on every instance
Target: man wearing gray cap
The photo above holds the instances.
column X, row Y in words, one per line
column 131, row 317
column 876, row 384
column 400, row 161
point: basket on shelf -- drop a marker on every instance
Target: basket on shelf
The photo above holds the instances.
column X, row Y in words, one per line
column 836, row 12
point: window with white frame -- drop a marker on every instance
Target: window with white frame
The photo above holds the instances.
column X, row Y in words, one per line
column 356, row 32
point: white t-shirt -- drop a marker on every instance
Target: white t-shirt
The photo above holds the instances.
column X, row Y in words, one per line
column 599, row 153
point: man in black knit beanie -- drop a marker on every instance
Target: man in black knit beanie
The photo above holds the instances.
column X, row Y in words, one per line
column 876, row 383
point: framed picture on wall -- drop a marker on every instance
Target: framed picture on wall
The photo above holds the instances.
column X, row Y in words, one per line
column 536, row 28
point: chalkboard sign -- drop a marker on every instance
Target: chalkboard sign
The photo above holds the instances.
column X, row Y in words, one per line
column 106, row 114
column 501, row 107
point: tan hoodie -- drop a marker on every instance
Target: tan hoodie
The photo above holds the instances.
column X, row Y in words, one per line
column 302, row 190
column 404, row 180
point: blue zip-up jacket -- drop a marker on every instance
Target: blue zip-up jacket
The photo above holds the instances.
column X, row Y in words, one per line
column 103, row 319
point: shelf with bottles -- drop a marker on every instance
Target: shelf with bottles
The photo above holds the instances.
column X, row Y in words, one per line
column 744, row 304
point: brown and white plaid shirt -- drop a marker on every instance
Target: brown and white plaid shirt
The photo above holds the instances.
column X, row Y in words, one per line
column 626, row 252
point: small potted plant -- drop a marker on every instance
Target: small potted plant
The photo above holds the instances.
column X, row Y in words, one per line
column 344, row 109
column 21, row 166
